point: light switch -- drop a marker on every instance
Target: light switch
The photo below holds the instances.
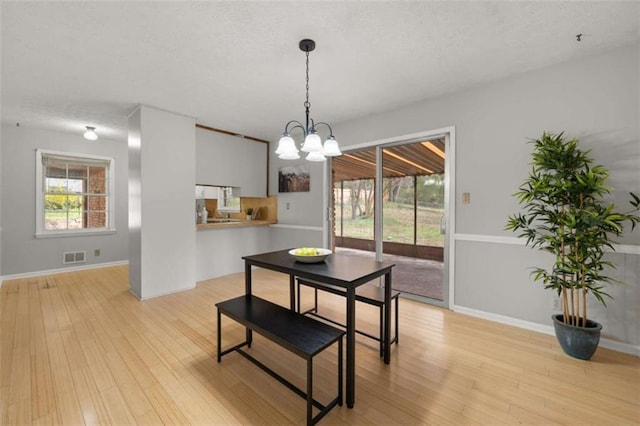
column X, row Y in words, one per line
column 466, row 198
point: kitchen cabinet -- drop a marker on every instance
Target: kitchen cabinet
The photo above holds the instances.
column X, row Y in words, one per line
column 199, row 192
column 226, row 160
column 211, row 192
column 206, row 192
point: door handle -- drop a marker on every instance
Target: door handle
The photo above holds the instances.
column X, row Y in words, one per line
column 443, row 225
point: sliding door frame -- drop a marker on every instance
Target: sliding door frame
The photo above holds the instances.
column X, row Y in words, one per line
column 448, row 133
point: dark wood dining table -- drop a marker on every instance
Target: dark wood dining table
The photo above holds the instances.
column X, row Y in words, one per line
column 337, row 269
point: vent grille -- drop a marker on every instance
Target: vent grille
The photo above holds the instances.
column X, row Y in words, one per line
column 74, row 257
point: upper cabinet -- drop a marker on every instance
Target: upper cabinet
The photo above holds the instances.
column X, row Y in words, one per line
column 207, row 192
column 227, row 160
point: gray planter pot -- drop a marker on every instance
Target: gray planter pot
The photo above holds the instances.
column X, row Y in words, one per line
column 578, row 342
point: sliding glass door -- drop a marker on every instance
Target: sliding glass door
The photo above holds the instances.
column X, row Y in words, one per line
column 406, row 227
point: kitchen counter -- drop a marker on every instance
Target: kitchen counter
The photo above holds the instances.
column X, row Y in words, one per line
column 236, row 224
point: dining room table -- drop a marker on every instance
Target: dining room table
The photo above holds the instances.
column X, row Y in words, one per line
column 337, row 269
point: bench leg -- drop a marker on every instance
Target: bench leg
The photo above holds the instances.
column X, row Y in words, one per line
column 309, row 391
column 219, row 336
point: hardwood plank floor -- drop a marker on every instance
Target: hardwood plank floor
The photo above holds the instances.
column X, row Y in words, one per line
column 78, row 348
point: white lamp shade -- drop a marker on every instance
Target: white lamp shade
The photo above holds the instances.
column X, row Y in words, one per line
column 312, row 143
column 286, row 144
column 331, row 148
column 316, row 156
column 289, row 156
column 90, row 134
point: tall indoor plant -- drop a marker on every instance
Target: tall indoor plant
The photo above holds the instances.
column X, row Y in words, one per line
column 565, row 214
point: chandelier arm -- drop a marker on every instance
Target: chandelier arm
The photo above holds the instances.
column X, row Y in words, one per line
column 326, row 124
column 298, row 124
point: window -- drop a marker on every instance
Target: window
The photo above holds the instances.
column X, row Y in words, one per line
column 229, row 199
column 74, row 194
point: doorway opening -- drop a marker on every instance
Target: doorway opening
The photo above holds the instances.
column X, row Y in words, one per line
column 408, row 226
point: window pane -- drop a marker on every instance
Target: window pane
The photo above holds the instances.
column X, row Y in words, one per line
column 55, row 202
column 54, row 169
column 358, row 209
column 75, row 186
column 96, row 211
column 55, row 219
column 398, row 225
column 77, row 171
column 430, row 193
column 55, row 185
column 97, row 180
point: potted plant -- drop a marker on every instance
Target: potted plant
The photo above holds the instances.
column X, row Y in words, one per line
column 249, row 212
column 565, row 214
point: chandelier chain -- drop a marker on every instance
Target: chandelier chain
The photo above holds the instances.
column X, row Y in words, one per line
column 307, row 104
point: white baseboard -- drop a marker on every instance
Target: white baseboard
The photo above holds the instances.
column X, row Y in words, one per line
column 540, row 328
column 142, row 299
column 62, row 270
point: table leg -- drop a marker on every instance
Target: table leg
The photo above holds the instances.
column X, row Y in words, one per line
column 247, row 291
column 351, row 346
column 387, row 318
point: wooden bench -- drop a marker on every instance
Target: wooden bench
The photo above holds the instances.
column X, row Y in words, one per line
column 301, row 335
column 369, row 294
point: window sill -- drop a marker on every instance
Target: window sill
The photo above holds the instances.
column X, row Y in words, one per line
column 63, row 234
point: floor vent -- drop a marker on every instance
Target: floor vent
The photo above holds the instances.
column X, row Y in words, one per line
column 74, row 257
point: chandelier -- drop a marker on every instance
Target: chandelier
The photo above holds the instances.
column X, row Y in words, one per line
column 312, row 144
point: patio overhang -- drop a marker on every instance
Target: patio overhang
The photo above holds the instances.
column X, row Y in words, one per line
column 415, row 159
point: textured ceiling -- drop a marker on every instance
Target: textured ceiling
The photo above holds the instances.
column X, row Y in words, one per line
column 236, row 65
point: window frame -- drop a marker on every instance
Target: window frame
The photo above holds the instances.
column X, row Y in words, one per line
column 41, row 232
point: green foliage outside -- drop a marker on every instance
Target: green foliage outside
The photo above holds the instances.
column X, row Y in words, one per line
column 62, row 210
column 398, row 215
column 57, row 199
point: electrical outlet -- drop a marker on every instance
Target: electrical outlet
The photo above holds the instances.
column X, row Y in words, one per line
column 466, row 198
column 556, row 304
column 96, row 252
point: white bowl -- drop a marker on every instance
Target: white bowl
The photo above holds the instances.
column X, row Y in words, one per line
column 320, row 256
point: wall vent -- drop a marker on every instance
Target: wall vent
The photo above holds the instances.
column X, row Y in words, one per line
column 74, row 257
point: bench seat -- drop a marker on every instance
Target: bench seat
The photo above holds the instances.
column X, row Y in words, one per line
column 369, row 294
column 297, row 333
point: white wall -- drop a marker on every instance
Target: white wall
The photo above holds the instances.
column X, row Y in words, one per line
column 21, row 252
column 594, row 99
column 162, row 182
column 300, row 214
column 219, row 251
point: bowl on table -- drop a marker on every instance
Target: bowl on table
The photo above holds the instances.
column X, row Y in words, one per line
column 310, row 255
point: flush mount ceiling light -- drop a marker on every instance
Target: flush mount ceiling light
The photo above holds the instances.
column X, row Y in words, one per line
column 312, row 144
column 90, row 134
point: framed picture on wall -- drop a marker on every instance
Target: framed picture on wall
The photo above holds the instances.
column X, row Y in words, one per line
column 293, row 179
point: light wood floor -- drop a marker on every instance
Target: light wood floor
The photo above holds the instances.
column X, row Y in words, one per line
column 78, row 348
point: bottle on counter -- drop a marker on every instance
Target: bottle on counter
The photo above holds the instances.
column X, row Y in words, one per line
column 203, row 215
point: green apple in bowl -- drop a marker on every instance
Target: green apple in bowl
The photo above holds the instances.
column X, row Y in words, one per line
column 310, row 254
